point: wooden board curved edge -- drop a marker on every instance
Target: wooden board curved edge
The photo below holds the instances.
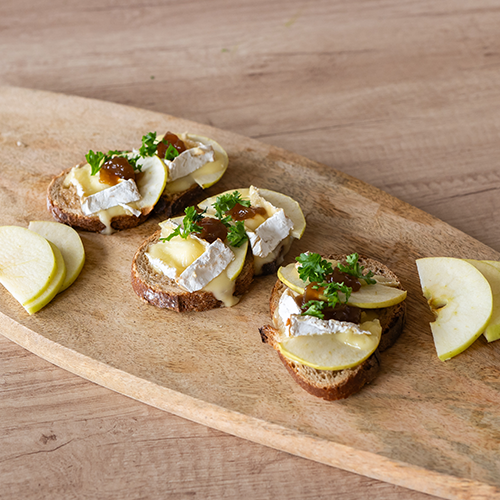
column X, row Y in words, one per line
column 265, row 433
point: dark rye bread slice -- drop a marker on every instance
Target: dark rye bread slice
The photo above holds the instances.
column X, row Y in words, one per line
column 64, row 205
column 161, row 291
column 333, row 385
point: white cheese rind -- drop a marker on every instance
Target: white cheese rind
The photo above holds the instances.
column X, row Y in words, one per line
column 286, row 308
column 118, row 195
column 189, row 161
column 270, row 233
column 206, row 267
column 310, row 325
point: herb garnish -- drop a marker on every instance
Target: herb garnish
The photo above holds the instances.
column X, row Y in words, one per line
column 97, row 160
column 188, row 224
column 313, row 267
column 226, row 202
column 171, row 152
column 330, row 296
column 314, row 308
column 236, row 234
column 236, row 229
column 149, row 144
column 354, row 269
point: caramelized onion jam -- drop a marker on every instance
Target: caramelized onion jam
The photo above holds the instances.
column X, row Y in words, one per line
column 212, row 229
column 115, row 169
column 240, row 212
column 341, row 312
column 170, row 139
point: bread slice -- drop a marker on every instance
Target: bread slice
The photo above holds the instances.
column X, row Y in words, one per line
column 64, row 205
column 159, row 290
column 333, row 385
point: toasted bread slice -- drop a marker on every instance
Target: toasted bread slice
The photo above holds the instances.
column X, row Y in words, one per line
column 64, row 205
column 329, row 384
column 161, row 291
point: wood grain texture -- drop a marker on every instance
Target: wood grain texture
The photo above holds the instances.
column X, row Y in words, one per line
column 400, row 94
column 413, row 426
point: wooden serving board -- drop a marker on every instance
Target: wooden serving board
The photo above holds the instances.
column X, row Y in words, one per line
column 422, row 424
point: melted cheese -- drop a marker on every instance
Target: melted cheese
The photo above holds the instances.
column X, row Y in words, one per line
column 195, row 264
column 87, row 185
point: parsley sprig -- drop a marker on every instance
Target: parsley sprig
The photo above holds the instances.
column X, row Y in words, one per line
column 313, row 267
column 354, row 269
column 236, row 234
column 150, row 144
column 189, row 225
column 330, row 296
column 148, row 148
column 314, row 308
column 236, row 229
column 226, row 202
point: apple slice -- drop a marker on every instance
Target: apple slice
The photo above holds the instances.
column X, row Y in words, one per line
column 210, row 173
column 491, row 271
column 461, row 298
column 150, row 182
column 27, row 263
column 54, row 286
column 234, row 268
column 368, row 297
column 333, row 351
column 68, row 241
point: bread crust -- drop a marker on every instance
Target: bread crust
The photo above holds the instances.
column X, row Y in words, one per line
column 64, row 205
column 160, row 291
column 333, row 385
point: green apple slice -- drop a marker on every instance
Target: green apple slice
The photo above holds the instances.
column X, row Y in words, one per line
column 289, row 205
column 210, row 173
column 68, row 241
column 491, row 271
column 368, row 297
column 333, row 351
column 462, row 300
column 54, row 286
column 27, row 263
column 150, row 182
column 234, row 268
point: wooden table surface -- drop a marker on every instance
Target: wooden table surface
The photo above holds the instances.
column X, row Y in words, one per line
column 403, row 95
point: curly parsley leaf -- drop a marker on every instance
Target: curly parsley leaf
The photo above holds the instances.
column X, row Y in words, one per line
column 149, row 144
column 354, row 269
column 226, row 202
column 331, row 293
column 237, row 234
column 171, row 153
column 95, row 160
column 313, row 267
column 314, row 308
column 189, row 225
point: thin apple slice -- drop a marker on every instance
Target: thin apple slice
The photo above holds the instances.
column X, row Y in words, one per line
column 27, row 263
column 491, row 271
column 368, row 297
column 68, row 241
column 150, row 182
column 333, row 351
column 54, row 286
column 462, row 300
column 234, row 268
column 211, row 172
